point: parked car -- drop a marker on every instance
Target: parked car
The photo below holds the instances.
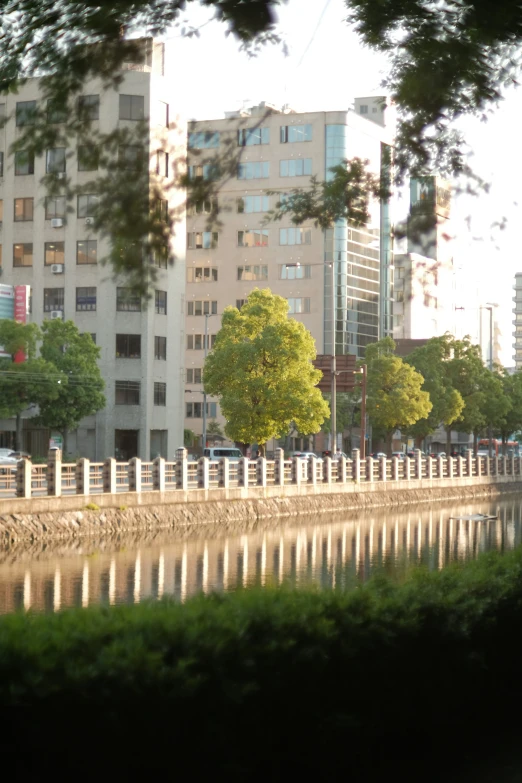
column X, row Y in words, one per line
column 399, row 454
column 223, row 451
column 377, row 454
column 8, row 461
column 304, row 454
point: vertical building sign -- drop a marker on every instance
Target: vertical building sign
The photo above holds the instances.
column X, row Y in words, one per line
column 21, row 306
column 6, row 309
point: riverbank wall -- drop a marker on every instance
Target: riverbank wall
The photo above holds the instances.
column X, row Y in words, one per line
column 72, row 516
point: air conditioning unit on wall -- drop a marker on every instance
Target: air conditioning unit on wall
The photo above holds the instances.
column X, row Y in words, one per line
column 56, row 314
column 89, row 221
column 57, row 269
column 56, row 222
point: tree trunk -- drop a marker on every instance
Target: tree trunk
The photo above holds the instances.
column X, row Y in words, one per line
column 261, row 450
column 389, row 443
column 18, row 445
column 64, row 436
column 448, row 440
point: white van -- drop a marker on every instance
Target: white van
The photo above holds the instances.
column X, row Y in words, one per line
column 222, row 451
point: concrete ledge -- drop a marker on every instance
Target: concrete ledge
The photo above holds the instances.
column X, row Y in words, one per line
column 67, row 516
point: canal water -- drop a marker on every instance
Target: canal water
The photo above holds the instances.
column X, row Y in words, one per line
column 338, row 552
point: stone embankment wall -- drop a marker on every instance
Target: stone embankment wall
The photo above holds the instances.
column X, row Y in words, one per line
column 65, row 517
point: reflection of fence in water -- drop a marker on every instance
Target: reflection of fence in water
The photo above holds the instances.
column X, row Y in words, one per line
column 329, row 554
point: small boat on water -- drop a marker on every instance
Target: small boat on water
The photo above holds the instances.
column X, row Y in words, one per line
column 474, row 517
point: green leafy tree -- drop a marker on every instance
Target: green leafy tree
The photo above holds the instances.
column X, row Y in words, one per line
column 80, row 392
column 512, row 421
column 27, row 383
column 188, row 438
column 214, row 429
column 261, row 370
column 447, row 403
column 394, row 397
column 496, row 403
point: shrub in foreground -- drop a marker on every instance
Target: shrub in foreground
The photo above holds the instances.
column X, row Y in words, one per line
column 276, row 679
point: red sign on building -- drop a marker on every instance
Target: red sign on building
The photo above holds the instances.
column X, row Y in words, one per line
column 21, row 304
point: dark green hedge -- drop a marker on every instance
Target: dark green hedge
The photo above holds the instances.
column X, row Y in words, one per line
column 273, row 682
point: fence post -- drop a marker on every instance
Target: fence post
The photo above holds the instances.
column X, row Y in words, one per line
column 407, row 468
column 24, row 473
column 279, row 467
column 261, row 471
column 341, row 469
column 418, row 464
column 356, row 465
column 440, row 467
column 495, row 465
column 312, row 470
column 135, row 474
column 327, row 470
column 460, row 466
column 369, row 469
column 242, row 475
column 382, row 469
column 203, row 473
column 54, row 473
column 469, row 467
column 395, row 468
column 479, row 465
column 512, row 465
column 451, row 466
column 181, row 469
column 429, row 468
column 224, row 472
column 83, row 475
column 109, row 475
column 296, row 471
column 158, row 474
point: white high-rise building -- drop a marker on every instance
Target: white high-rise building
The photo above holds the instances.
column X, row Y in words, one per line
column 57, row 253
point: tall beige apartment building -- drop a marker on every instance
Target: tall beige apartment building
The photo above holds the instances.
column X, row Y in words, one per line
column 57, row 253
column 281, row 150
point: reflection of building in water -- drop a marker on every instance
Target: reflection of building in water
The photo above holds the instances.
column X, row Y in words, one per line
column 330, row 554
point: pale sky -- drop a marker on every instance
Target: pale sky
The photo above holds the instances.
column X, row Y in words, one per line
column 324, row 68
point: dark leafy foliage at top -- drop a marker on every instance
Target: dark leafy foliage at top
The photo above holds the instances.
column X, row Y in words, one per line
column 447, row 59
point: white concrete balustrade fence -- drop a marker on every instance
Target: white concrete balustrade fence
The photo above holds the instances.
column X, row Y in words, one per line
column 95, row 478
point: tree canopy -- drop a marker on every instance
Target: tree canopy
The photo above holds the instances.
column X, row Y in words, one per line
column 394, row 395
column 261, row 370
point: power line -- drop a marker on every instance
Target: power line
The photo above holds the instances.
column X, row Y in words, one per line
column 314, row 33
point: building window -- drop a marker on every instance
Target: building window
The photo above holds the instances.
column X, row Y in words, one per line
column 399, row 273
column 253, row 238
column 87, row 205
column 248, row 137
column 202, row 240
column 202, row 307
column 55, row 160
column 23, row 209
column 23, row 254
column 128, row 346
column 56, row 113
column 258, row 170
column 295, row 167
column 205, row 207
column 160, row 302
column 160, row 393
column 54, row 253
column 163, row 114
column 162, row 163
column 295, row 272
column 363, row 108
column 53, row 299
column 291, row 133
column 399, row 296
column 1, row 210
column 161, row 208
column 194, row 375
column 295, row 236
column 298, row 305
column 160, row 348
column 132, row 107
column 89, row 107
column 25, row 113
column 86, row 300
column 196, row 342
column 194, row 410
column 253, row 204
column 131, row 156
column 206, row 171
column 203, row 140
column 88, row 157
column 55, row 207
column 127, row 300
column 202, row 274
column 255, row 272
column 24, row 163
column 87, row 251
column 1, row 164
column 160, row 258
column 127, row 393
column 240, row 303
